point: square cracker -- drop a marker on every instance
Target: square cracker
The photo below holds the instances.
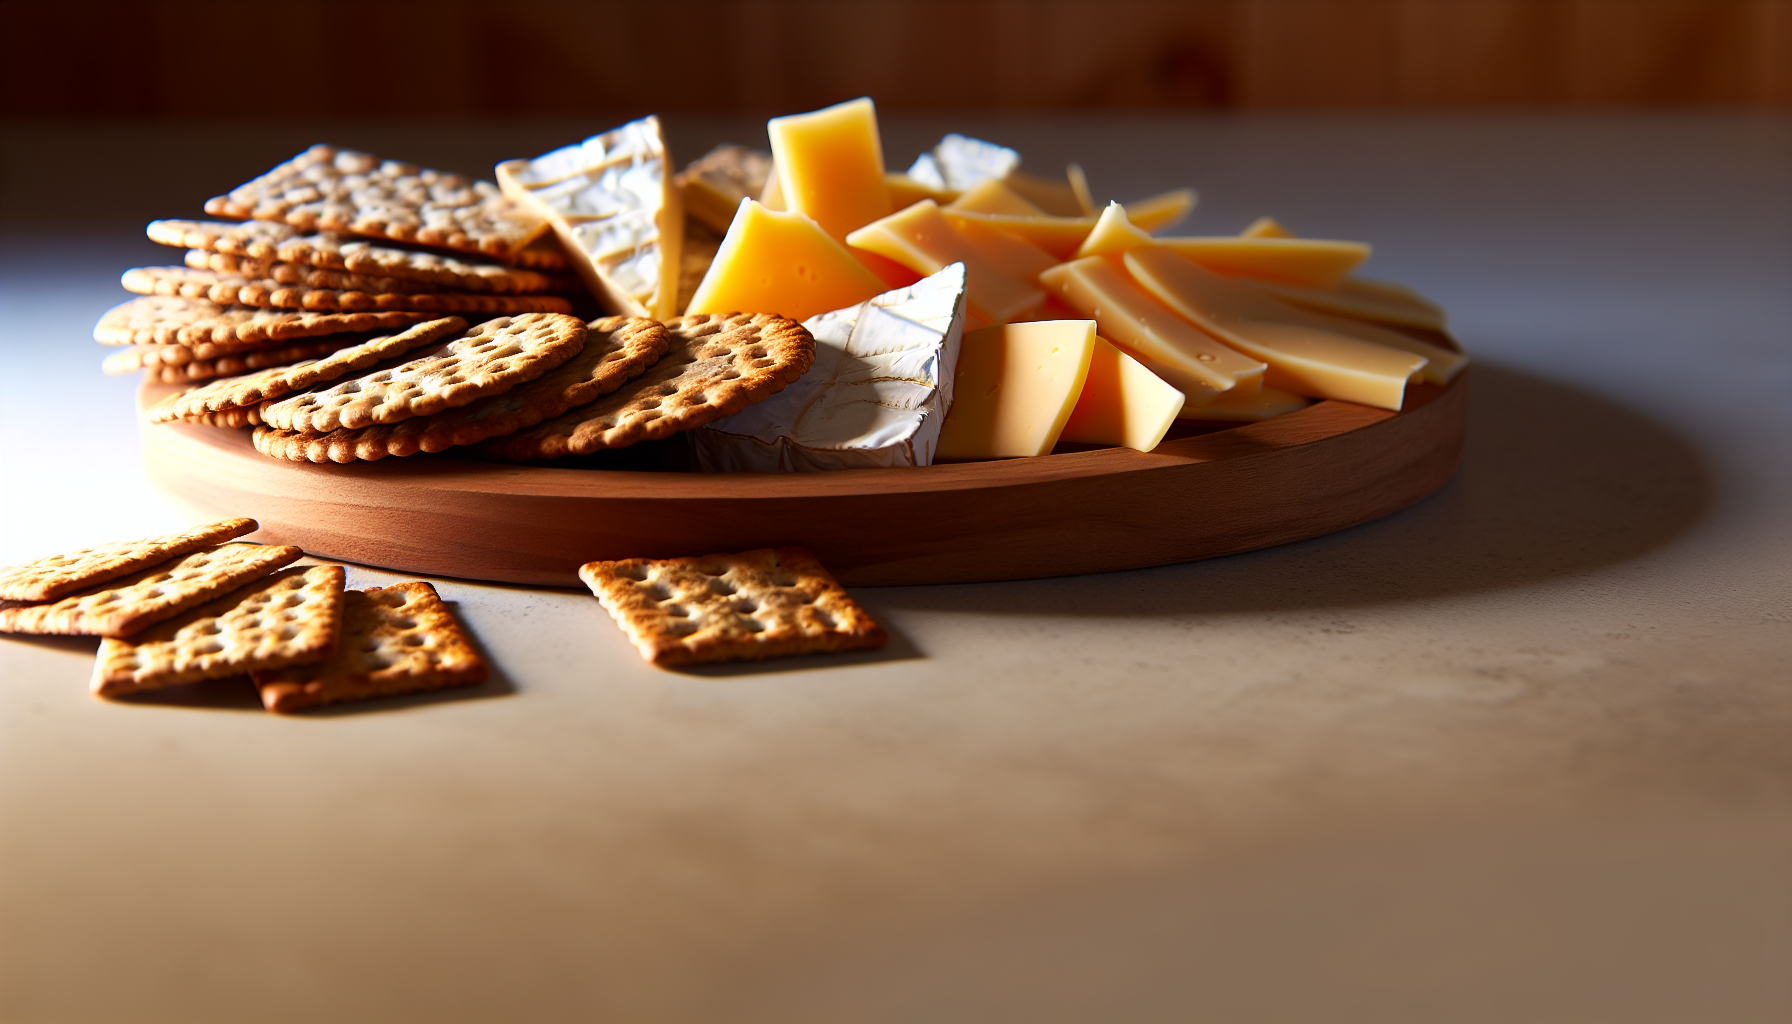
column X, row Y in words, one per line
column 49, row 578
column 165, row 320
column 148, row 596
column 290, row 618
column 351, row 296
column 153, row 359
column 394, row 640
column 764, row 603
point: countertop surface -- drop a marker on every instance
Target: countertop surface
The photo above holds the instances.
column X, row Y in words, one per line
column 1519, row 752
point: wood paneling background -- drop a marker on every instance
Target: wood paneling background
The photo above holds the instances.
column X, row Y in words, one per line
column 188, row 58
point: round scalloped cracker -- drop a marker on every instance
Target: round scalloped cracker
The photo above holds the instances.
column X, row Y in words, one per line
column 227, row 289
column 202, row 405
column 252, row 238
column 718, row 364
column 489, row 359
column 617, row 349
column 289, row 274
column 161, row 320
column 231, row 365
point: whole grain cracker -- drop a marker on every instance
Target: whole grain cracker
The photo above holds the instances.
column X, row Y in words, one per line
column 764, row 603
column 291, row 618
column 147, row 358
column 161, row 320
column 148, row 596
column 394, row 640
column 717, row 365
column 218, row 245
column 253, row 238
column 304, row 275
column 53, row 576
column 616, row 349
column 245, row 393
column 331, row 189
column 489, row 359
column 226, row 290
column 229, row 419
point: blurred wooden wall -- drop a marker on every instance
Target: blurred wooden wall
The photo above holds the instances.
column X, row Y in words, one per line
column 185, row 58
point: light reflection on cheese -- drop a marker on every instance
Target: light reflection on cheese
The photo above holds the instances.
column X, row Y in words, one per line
column 611, row 201
column 875, row 397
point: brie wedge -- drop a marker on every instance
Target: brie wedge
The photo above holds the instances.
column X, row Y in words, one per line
column 612, row 203
column 958, row 163
column 875, row 398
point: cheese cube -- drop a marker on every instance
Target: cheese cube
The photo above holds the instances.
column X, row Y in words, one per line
column 611, row 201
column 1016, row 387
column 831, row 165
column 1314, row 262
column 1122, row 403
column 1191, row 361
column 875, row 397
column 781, row 263
column 1303, row 357
column 921, row 239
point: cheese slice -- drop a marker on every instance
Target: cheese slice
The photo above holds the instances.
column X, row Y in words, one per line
column 1267, row 403
column 1016, row 386
column 1122, row 403
column 1056, row 198
column 1190, row 361
column 958, row 163
column 1302, row 358
column 875, row 397
column 830, row 165
column 713, row 186
column 1265, row 227
column 923, row 240
column 1313, row 262
column 1113, row 233
column 995, row 196
column 1059, row 236
column 613, row 205
column 1160, row 211
column 781, row 263
column 1350, row 300
column 906, row 191
column 1079, row 187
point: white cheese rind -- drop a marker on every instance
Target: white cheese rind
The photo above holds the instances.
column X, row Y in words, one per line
column 875, row 397
column 958, row 163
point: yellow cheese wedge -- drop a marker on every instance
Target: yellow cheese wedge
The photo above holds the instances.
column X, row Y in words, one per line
column 995, row 196
column 830, row 165
column 923, row 240
column 1378, row 303
column 906, row 191
column 1056, row 198
column 1191, row 361
column 1160, row 211
column 1314, row 262
column 1265, row 227
column 1122, row 403
column 1015, row 388
column 1267, row 403
column 781, row 263
column 1304, row 359
column 1113, row 233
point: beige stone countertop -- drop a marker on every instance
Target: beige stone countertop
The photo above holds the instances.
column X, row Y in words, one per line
column 1518, row 753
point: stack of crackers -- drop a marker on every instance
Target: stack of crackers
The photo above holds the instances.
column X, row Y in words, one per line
column 189, row 606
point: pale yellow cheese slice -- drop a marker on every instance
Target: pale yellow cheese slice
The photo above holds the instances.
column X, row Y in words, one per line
column 1266, row 403
column 1123, row 403
column 1191, row 361
column 1313, row 262
column 1349, row 301
column 1161, row 211
column 1302, row 358
column 612, row 202
column 1265, row 227
column 923, row 240
column 830, row 165
column 996, row 196
column 1114, row 233
column 1059, row 236
column 783, row 263
column 1056, row 198
column 1015, row 388
column 906, row 191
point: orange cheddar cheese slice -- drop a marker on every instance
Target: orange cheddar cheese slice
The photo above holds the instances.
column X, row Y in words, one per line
column 830, row 165
column 783, row 263
column 1015, row 388
column 1122, row 403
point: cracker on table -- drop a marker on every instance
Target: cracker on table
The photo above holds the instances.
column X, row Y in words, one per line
column 51, row 577
column 232, row 394
column 331, row 189
column 717, row 365
column 289, row 618
column 764, row 603
column 147, row 596
column 162, row 320
column 394, row 640
column 616, row 349
column 489, row 359
column 150, row 359
column 304, row 275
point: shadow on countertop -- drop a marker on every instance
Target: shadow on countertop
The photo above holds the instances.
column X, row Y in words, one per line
column 1554, row 482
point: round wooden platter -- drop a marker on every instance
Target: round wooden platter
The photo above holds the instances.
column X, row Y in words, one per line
column 1329, row 466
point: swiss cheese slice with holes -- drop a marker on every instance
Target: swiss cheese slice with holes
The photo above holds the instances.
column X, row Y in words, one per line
column 612, row 202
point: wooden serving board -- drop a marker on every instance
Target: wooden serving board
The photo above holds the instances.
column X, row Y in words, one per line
column 1326, row 467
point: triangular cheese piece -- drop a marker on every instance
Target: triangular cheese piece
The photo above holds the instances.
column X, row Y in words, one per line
column 1113, row 234
column 612, row 202
column 1265, row 227
column 781, row 263
column 959, row 163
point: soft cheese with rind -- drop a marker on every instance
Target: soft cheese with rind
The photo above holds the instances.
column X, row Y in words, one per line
column 612, row 202
column 875, row 397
